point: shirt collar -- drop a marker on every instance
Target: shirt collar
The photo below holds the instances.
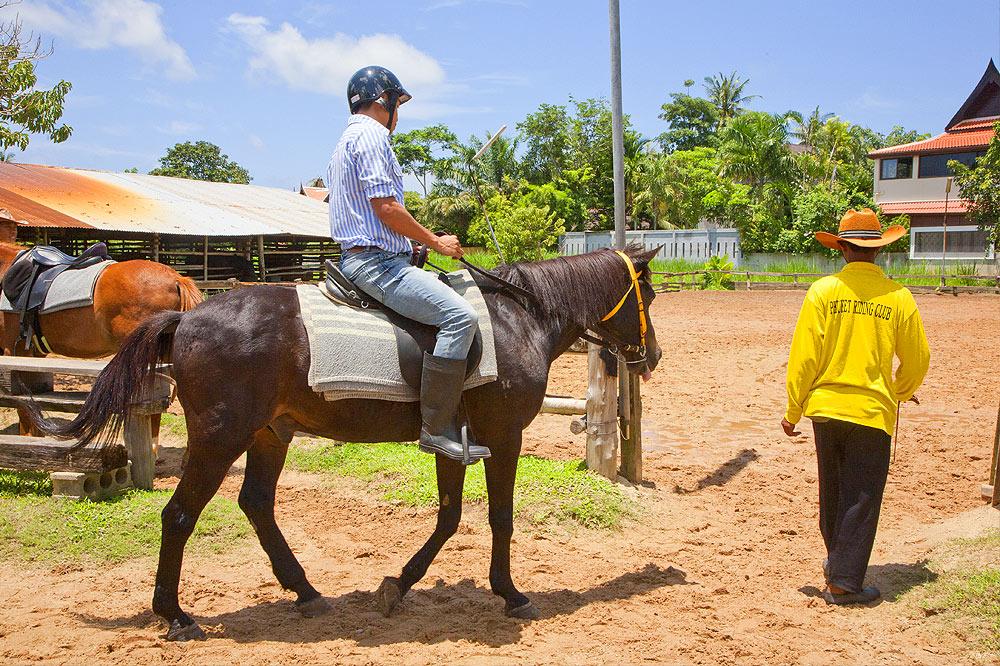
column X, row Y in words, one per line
column 365, row 120
column 862, row 266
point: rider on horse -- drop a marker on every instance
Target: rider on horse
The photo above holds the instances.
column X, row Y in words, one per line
column 369, row 220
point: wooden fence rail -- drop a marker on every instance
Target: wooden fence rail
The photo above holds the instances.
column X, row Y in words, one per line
column 991, row 283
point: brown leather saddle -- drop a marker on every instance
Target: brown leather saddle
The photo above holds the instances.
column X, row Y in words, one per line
column 29, row 278
column 412, row 337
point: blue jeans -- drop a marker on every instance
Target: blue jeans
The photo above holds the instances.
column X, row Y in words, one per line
column 417, row 294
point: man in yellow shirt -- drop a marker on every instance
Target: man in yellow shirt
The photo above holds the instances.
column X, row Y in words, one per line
column 840, row 376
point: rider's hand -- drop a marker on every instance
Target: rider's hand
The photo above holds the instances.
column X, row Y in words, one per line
column 448, row 246
column 789, row 428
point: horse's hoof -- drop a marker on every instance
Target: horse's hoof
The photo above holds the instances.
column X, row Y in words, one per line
column 189, row 632
column 523, row 612
column 388, row 595
column 314, row 607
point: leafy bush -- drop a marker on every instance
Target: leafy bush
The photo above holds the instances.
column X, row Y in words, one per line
column 715, row 278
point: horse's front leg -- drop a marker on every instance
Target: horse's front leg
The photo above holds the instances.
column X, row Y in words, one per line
column 450, row 480
column 501, row 470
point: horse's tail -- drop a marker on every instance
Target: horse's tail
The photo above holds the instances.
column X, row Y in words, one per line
column 189, row 293
column 118, row 386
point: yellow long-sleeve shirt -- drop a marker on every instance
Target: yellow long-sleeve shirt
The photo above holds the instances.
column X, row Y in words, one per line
column 840, row 366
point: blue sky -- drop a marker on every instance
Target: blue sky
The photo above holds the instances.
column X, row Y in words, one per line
column 265, row 79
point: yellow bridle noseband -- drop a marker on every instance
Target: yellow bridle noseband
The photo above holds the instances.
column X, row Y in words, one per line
column 643, row 326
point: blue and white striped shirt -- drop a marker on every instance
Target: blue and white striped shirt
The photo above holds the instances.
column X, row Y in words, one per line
column 364, row 167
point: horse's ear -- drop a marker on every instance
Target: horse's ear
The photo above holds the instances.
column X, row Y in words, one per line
column 642, row 259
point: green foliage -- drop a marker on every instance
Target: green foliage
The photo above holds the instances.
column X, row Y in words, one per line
column 200, row 160
column 25, row 109
column 692, row 122
column 546, row 135
column 523, row 229
column 546, row 491
column 899, row 135
column 426, row 151
column 34, row 526
column 980, row 186
column 817, row 209
column 561, row 202
column 452, row 213
column 716, row 278
column 727, row 94
column 414, row 204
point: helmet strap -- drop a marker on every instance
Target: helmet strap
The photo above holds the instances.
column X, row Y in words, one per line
column 390, row 105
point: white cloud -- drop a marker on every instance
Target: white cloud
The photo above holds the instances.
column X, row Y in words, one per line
column 325, row 64
column 179, row 127
column 130, row 24
column 873, row 101
column 256, row 142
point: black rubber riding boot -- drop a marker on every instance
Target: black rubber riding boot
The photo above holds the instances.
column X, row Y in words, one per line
column 440, row 393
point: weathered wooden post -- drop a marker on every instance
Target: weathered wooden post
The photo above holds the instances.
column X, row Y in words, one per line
column 602, row 413
column 631, row 432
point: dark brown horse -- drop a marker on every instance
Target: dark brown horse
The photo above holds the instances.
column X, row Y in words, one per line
column 241, row 361
column 125, row 295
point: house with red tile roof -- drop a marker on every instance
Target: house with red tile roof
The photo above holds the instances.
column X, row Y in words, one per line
column 913, row 178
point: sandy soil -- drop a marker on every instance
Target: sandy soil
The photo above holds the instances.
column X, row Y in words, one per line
column 722, row 566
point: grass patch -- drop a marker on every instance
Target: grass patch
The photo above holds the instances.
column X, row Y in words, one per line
column 965, row 595
column 173, row 424
column 546, row 491
column 34, row 526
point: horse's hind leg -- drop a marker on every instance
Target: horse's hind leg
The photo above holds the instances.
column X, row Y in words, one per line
column 200, row 482
column 265, row 458
column 501, row 471
column 450, row 480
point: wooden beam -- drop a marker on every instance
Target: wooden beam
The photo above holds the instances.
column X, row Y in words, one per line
column 602, row 422
column 204, row 260
column 260, row 258
column 553, row 404
column 54, row 455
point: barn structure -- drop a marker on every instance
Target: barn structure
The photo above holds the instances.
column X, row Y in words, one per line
column 208, row 231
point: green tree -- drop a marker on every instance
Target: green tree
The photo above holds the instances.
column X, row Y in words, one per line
column 560, row 201
column 980, row 186
column 692, row 122
column 815, row 209
column 727, row 94
column 25, row 109
column 200, row 160
column 684, row 188
column 899, row 135
column 755, row 151
column 450, row 212
column 524, row 230
column 546, row 137
column 425, row 152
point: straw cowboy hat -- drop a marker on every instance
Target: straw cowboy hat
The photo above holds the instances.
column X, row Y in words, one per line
column 861, row 228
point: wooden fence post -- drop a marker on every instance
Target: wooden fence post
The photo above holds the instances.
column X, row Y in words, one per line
column 602, row 415
column 631, row 434
column 996, row 462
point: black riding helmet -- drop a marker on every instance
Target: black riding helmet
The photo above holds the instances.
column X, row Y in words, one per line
column 370, row 83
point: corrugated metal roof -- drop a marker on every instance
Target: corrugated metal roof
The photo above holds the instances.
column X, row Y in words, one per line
column 923, row 207
column 946, row 142
column 47, row 196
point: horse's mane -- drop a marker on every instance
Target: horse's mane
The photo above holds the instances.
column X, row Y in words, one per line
column 576, row 290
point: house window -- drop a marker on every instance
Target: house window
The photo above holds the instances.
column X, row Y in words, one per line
column 928, row 244
column 897, row 167
column 936, row 166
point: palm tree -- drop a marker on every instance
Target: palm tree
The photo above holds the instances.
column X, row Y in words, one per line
column 755, row 151
column 635, row 158
column 805, row 131
column 6, row 157
column 726, row 92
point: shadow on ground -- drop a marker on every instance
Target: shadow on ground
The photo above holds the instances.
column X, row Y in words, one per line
column 462, row 611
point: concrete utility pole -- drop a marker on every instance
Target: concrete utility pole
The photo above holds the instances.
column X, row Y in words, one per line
column 629, row 404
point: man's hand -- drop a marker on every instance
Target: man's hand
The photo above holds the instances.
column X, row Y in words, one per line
column 448, row 246
column 789, row 428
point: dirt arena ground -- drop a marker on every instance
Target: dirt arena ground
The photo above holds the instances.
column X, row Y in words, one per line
column 722, row 565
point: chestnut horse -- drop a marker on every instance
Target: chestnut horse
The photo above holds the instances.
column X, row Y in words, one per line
column 126, row 294
column 241, row 362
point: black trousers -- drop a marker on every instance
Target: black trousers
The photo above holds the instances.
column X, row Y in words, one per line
column 853, row 466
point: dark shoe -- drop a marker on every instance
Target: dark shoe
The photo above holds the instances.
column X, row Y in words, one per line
column 441, row 386
column 865, row 596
